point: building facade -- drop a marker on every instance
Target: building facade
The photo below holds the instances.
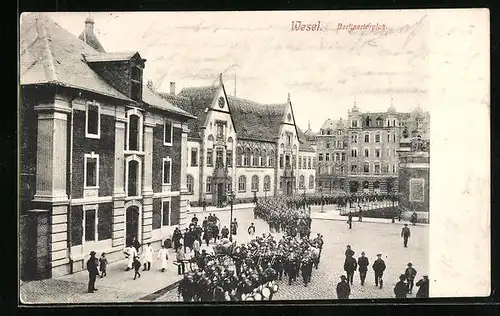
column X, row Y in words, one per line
column 101, row 153
column 242, row 147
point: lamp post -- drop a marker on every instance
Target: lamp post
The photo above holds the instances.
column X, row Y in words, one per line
column 231, row 199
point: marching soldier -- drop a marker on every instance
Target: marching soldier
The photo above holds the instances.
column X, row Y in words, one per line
column 279, row 266
column 306, row 269
column 350, row 266
column 379, row 268
column 291, row 269
column 363, row 267
column 349, row 252
column 405, row 234
column 410, row 274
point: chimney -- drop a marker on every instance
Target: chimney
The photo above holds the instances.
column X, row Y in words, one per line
column 89, row 27
column 172, row 88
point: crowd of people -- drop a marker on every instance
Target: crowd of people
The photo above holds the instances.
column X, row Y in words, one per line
column 247, row 270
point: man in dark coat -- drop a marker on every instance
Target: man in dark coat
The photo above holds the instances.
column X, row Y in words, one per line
column 343, row 289
column 401, row 288
column 186, row 288
column 410, row 274
column 350, row 265
column 379, row 268
column 92, row 265
column 224, row 232
column 360, row 214
column 234, row 227
column 207, row 234
column 306, row 269
column 187, row 239
column 349, row 252
column 405, row 234
column 291, row 270
column 279, row 266
column 423, row 287
column 176, row 238
column 204, row 223
column 349, row 220
column 363, row 267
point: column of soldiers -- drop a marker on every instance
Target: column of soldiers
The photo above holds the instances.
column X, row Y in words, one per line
column 251, row 266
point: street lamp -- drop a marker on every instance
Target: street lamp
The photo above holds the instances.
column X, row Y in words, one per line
column 231, row 199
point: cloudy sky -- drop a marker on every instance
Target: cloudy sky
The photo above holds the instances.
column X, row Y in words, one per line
column 325, row 72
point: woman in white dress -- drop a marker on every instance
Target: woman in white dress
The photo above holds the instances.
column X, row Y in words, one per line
column 130, row 254
column 163, row 257
column 147, row 256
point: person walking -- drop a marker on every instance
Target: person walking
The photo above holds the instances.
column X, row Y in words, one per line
column 196, row 247
column 103, row 262
column 343, row 288
column 401, row 288
column 360, row 214
column 224, row 232
column 204, row 204
column 186, row 288
column 379, row 268
column 349, row 220
column 147, row 255
column 176, row 238
column 350, row 265
column 349, row 252
column 137, row 266
column 405, row 234
column 136, row 244
column 180, row 256
column 410, row 274
column 163, row 257
column 363, row 267
column 130, row 254
column 413, row 218
column 234, row 227
column 92, row 265
column 423, row 287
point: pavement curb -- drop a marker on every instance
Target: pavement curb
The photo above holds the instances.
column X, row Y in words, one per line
column 155, row 295
column 365, row 221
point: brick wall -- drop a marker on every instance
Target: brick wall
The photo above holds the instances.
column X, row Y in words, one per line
column 104, row 147
column 160, row 151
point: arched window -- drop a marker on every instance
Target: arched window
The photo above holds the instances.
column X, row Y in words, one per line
column 210, row 138
column 133, row 179
column 367, row 138
column 311, row 182
column 301, row 182
column 189, row 183
column 256, row 158
column 247, row 157
column 377, row 138
column 354, row 138
column 328, row 132
column 366, row 167
column 242, row 184
column 255, row 183
column 134, row 131
column 267, row 183
column 239, row 156
column 263, row 159
column 271, row 158
column 376, row 167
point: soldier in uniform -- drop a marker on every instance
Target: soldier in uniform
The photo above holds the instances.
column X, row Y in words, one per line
column 349, row 252
column 401, row 288
column 363, row 267
column 343, row 288
column 379, row 268
column 290, row 269
column 349, row 220
column 350, row 266
column 306, row 268
column 405, row 234
column 410, row 274
column 278, row 266
column 224, row 232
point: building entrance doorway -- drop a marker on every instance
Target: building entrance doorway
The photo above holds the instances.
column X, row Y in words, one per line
column 132, row 224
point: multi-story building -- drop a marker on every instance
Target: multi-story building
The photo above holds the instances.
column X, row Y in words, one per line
column 100, row 153
column 332, row 155
column 242, row 147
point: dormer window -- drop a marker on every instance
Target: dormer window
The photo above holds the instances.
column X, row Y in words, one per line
column 368, row 121
column 136, row 83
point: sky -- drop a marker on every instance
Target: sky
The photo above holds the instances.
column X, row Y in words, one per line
column 324, row 71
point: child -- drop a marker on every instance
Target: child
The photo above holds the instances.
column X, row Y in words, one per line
column 102, row 264
column 137, row 266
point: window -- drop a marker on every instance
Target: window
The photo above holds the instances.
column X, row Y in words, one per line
column 133, row 180
column 219, row 156
column 304, row 163
column 393, row 168
column 343, row 156
column 354, row 168
column 377, row 167
column 229, row 158
column 287, row 161
column 242, row 184
column 339, row 132
column 367, row 138
column 229, row 184
column 255, row 159
column 104, row 221
column 354, row 138
column 289, row 139
column 134, row 130
column 308, row 162
column 354, row 153
column 271, row 159
column 90, row 230
column 166, row 213
column 91, row 170
column 342, row 169
column 189, row 183
column 379, row 121
column 329, row 132
column 337, row 157
column 327, row 157
column 354, row 123
column 220, row 131
column 281, row 184
column 247, row 157
column 255, row 183
column 314, row 163
column 210, row 157
column 209, row 185
column 394, row 137
column 311, row 182
column 328, row 145
column 263, row 158
column 300, row 161
column 301, row 182
column 267, row 183
column 416, row 190
column 157, row 217
column 239, row 157
column 377, row 138
column 419, row 123
column 92, row 120
column 281, row 161
column 388, row 137
column 377, row 153
column 366, row 167
column 320, row 158
column 294, row 161
column 194, row 157
column 168, row 129
column 367, row 152
column 167, row 170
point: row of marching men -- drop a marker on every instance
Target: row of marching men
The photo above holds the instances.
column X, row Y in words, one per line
column 253, row 269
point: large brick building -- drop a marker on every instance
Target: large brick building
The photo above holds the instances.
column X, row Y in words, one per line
column 100, row 152
column 243, row 147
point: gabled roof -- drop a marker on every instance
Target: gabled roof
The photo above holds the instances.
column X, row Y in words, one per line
column 334, row 124
column 154, row 100
column 105, row 57
column 51, row 55
column 305, row 145
column 255, row 121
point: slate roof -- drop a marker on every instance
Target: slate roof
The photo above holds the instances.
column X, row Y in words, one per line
column 103, row 57
column 305, row 144
column 51, row 55
column 255, row 121
column 157, row 102
column 89, row 37
column 334, row 124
